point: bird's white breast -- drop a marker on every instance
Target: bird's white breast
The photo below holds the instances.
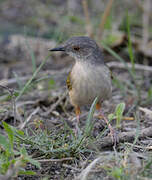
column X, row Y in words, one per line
column 88, row 82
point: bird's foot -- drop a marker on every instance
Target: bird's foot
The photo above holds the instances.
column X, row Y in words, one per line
column 77, row 129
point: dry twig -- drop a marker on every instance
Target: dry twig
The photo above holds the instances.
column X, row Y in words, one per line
column 146, row 15
column 84, row 174
column 55, row 160
column 87, row 17
column 104, row 18
column 141, row 147
column 11, row 92
column 147, row 111
column 125, row 137
column 56, row 104
column 5, row 82
column 70, row 167
column 29, row 118
column 122, row 66
column 139, row 4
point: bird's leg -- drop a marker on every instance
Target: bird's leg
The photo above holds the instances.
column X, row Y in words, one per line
column 112, row 132
column 77, row 112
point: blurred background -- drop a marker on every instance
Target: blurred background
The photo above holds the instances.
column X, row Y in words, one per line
column 122, row 28
column 33, row 86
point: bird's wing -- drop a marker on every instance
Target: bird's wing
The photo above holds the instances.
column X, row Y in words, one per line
column 111, row 73
column 68, row 82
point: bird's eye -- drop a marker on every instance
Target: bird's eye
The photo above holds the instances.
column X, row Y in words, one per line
column 76, row 48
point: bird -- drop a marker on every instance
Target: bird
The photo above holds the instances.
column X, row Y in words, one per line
column 89, row 77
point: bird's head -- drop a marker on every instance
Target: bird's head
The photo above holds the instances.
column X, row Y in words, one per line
column 82, row 48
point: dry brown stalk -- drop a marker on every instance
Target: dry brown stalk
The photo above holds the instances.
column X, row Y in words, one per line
column 13, row 101
column 55, row 160
column 87, row 17
column 146, row 15
column 104, row 18
column 138, row 67
column 125, row 137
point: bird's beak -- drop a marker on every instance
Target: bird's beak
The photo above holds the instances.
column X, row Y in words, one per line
column 57, row 49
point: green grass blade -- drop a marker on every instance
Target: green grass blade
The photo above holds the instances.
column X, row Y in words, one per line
column 10, row 134
column 31, row 79
column 130, row 49
column 4, row 142
column 90, row 116
column 18, row 80
column 32, row 56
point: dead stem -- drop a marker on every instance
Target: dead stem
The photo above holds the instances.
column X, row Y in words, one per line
column 125, row 137
column 104, row 18
column 55, row 160
column 122, row 66
column 29, row 118
column 13, row 101
column 87, row 17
